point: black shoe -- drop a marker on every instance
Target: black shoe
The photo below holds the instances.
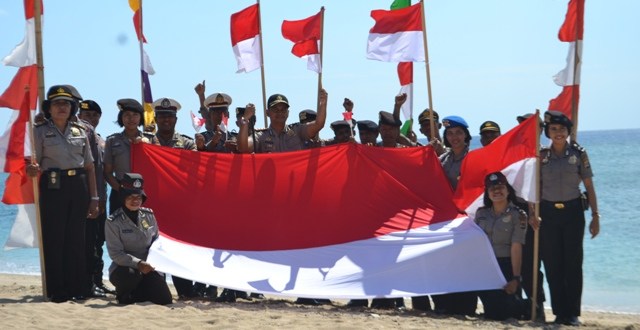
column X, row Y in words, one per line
column 59, row 298
column 96, row 292
column 383, row 303
column 572, row 321
column 105, row 289
column 257, row 296
column 79, row 298
column 242, row 295
column 560, row 320
column 227, row 295
column 307, row 301
column 358, row 303
column 210, row 292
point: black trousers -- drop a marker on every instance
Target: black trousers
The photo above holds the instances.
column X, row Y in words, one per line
column 561, row 235
column 115, row 202
column 527, row 269
column 94, row 241
column 498, row 305
column 460, row 303
column 132, row 286
column 64, row 214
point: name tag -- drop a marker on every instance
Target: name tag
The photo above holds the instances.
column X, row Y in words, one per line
column 127, row 231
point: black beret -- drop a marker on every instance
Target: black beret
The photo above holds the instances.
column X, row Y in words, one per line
column 130, row 105
column 386, row 118
column 367, row 125
column 339, row 123
column 307, row 115
column 90, row 105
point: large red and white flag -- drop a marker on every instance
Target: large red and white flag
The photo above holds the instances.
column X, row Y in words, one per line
column 571, row 31
column 344, row 221
column 397, row 35
column 14, row 146
column 513, row 154
column 23, row 57
column 305, row 34
column 245, row 38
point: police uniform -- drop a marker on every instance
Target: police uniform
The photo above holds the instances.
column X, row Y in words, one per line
column 451, row 162
column 64, row 199
column 117, row 151
column 290, row 139
column 562, row 227
column 502, row 230
column 177, row 140
column 129, row 235
column 215, row 102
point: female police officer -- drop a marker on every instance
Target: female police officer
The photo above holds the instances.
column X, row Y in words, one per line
column 129, row 232
column 505, row 225
column 67, row 193
column 563, row 167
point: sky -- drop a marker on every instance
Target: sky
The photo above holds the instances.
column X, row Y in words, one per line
column 489, row 59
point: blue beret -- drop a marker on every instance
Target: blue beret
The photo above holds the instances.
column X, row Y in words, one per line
column 454, row 121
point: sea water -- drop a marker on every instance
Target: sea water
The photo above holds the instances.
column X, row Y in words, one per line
column 611, row 260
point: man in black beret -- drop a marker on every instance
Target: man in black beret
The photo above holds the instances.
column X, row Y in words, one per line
column 368, row 132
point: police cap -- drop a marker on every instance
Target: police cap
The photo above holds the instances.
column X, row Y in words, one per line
column 132, row 184
column 165, row 105
column 489, row 126
column 454, row 121
column 217, row 100
column 425, row 116
column 556, row 117
column 386, row 118
column 90, row 105
column 307, row 115
column 367, row 125
column 277, row 98
column 339, row 123
column 494, row 179
column 130, row 105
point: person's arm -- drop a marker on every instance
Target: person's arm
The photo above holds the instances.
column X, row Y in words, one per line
column 243, row 134
column 594, row 226
column 200, row 89
column 397, row 105
column 94, row 209
column 315, row 126
column 516, row 266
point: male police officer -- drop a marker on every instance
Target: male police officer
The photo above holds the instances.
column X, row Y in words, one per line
column 489, row 131
column 166, row 118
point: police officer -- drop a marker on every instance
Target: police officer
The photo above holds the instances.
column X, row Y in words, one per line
column 456, row 139
column 306, row 116
column 389, row 124
column 166, row 110
column 117, row 160
column 214, row 139
column 489, row 131
column 563, row 167
column 68, row 194
column 424, row 119
column 342, row 132
column 505, row 225
column 368, row 132
column 91, row 112
column 279, row 137
column 130, row 230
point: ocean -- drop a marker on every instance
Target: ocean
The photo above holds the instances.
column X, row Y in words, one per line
column 611, row 260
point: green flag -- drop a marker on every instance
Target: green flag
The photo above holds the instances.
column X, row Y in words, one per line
column 397, row 4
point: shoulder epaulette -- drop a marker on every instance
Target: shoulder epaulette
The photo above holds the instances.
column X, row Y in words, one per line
column 146, row 210
column 523, row 217
column 112, row 135
column 116, row 214
column 260, row 129
column 79, row 125
column 186, row 137
column 38, row 124
column 577, row 147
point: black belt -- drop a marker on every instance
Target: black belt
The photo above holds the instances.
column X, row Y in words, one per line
column 560, row 205
column 69, row 172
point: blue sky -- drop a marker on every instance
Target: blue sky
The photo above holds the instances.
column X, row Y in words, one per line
column 490, row 59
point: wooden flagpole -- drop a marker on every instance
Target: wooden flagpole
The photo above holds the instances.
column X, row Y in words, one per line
column 141, row 43
column 426, row 62
column 576, row 66
column 36, row 192
column 536, row 233
column 321, row 62
column 264, row 88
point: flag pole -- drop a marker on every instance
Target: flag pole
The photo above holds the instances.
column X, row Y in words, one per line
column 320, row 58
column 36, row 192
column 264, row 89
column 536, row 233
column 141, row 43
column 426, row 62
column 576, row 65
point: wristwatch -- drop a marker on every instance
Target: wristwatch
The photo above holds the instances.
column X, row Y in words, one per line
column 517, row 278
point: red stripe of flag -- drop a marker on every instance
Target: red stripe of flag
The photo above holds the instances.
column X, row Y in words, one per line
column 245, row 24
column 397, row 20
column 573, row 27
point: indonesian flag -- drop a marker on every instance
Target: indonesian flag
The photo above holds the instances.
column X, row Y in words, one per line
column 25, row 58
column 397, row 35
column 405, row 73
column 14, row 146
column 571, row 31
column 345, row 221
column 197, row 122
column 513, row 154
column 305, row 34
column 245, row 38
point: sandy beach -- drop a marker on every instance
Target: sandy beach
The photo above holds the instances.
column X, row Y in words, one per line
column 22, row 307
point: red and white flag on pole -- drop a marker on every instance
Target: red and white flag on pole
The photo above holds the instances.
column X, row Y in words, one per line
column 513, row 154
column 397, row 35
column 197, row 122
column 368, row 222
column 405, row 74
column 571, row 31
column 23, row 57
column 245, row 38
column 14, row 146
column 305, row 34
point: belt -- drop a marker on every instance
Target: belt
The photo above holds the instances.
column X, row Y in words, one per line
column 561, row 205
column 69, row 172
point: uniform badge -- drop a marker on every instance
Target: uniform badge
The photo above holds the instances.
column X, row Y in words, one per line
column 75, row 131
column 49, row 134
column 291, row 132
column 545, row 161
column 506, row 218
column 179, row 143
column 144, row 223
column 573, row 159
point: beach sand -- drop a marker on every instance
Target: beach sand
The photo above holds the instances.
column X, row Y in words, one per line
column 22, row 307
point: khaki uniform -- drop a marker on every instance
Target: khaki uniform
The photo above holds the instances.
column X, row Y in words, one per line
column 178, row 141
column 451, row 166
column 62, row 150
column 503, row 229
column 561, row 175
column 291, row 139
column 128, row 243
